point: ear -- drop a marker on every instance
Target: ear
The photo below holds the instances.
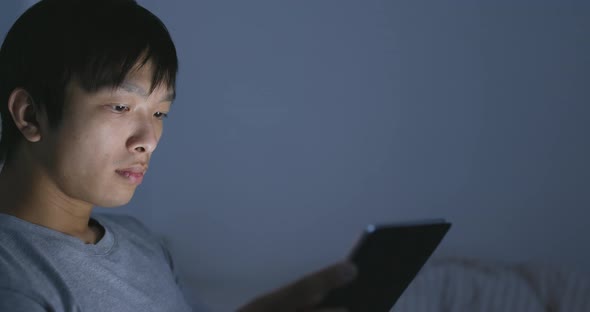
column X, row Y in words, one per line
column 25, row 114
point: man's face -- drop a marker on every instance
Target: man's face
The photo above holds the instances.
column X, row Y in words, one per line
column 102, row 148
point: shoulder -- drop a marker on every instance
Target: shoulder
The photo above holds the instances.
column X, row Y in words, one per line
column 12, row 300
column 16, row 249
column 17, row 269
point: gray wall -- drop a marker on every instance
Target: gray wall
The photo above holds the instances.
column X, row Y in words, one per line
column 298, row 122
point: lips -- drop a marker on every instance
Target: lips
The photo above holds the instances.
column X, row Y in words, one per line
column 133, row 175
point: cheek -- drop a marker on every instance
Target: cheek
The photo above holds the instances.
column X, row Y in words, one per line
column 159, row 130
column 82, row 157
column 87, row 150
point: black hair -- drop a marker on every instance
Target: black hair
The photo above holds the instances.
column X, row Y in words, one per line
column 96, row 42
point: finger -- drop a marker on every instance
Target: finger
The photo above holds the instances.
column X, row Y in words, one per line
column 312, row 289
column 305, row 292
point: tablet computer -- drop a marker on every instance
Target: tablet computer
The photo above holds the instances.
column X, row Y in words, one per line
column 387, row 257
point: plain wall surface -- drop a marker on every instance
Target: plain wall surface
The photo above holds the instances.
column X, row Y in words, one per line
column 298, row 122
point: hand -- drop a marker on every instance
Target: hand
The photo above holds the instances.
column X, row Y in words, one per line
column 305, row 293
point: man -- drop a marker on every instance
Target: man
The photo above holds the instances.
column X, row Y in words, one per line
column 84, row 88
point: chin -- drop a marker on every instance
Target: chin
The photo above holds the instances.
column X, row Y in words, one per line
column 114, row 202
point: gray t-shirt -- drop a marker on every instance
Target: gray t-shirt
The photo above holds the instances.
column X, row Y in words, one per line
column 129, row 269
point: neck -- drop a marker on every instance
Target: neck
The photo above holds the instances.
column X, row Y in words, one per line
column 28, row 193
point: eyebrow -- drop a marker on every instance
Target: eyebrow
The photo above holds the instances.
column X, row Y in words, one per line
column 133, row 88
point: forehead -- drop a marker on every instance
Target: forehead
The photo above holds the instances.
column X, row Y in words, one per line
column 162, row 92
column 137, row 81
column 140, row 79
column 130, row 87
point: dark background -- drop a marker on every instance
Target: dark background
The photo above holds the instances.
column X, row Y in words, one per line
column 299, row 122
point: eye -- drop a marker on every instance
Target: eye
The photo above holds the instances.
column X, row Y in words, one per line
column 160, row 115
column 120, row 108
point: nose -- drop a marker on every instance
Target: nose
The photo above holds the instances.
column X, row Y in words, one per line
column 144, row 139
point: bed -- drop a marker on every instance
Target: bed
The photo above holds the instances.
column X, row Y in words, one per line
column 464, row 284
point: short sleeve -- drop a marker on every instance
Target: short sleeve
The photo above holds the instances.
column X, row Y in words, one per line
column 14, row 301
